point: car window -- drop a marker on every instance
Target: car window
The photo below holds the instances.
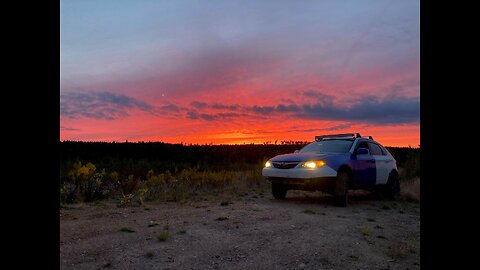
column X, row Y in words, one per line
column 362, row 145
column 375, row 149
column 384, row 150
column 335, row 146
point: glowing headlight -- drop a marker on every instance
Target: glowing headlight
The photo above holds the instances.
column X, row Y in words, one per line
column 313, row 164
column 309, row 164
column 268, row 164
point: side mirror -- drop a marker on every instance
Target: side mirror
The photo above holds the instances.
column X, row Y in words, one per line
column 362, row 151
column 296, row 151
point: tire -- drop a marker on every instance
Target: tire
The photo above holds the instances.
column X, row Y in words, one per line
column 392, row 188
column 341, row 188
column 279, row 192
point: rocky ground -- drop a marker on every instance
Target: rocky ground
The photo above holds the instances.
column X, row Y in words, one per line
column 252, row 231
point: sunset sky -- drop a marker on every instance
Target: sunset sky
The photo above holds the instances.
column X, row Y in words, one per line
column 226, row 72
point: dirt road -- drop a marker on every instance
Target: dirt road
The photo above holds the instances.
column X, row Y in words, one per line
column 254, row 231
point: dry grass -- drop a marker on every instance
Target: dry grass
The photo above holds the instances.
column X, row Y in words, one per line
column 365, row 231
column 399, row 250
column 85, row 184
column 410, row 190
column 309, row 211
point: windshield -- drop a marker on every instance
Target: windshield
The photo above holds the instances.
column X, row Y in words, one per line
column 333, row 146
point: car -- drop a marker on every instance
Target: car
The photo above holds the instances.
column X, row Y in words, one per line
column 334, row 164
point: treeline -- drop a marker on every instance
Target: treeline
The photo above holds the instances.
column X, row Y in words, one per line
column 155, row 170
column 139, row 158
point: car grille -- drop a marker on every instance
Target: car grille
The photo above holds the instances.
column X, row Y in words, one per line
column 285, row 165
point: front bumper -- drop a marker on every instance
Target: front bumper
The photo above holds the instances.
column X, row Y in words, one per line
column 302, row 173
column 325, row 184
column 322, row 178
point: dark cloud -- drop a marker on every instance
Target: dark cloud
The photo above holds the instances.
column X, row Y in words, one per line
column 368, row 109
column 318, row 96
column 338, row 127
column 288, row 108
column 262, row 109
column 210, row 117
column 333, row 128
column 170, row 107
column 69, row 128
column 196, row 115
column 228, row 115
column 225, row 107
column 216, row 106
column 198, row 104
column 100, row 105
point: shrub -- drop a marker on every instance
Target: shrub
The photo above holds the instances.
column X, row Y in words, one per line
column 67, row 192
column 83, row 182
column 127, row 229
column 129, row 184
column 163, row 236
column 309, row 211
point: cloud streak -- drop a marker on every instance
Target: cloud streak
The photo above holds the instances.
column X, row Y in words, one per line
column 210, row 117
column 69, row 128
column 100, row 105
column 368, row 109
column 401, row 110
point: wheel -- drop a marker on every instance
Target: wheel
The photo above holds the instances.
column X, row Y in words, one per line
column 279, row 192
column 392, row 188
column 341, row 188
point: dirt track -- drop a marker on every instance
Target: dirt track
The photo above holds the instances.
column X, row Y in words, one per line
column 305, row 231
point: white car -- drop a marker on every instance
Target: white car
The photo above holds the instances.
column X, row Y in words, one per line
column 334, row 164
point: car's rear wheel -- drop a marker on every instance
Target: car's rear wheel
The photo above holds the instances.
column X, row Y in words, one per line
column 392, row 188
column 341, row 188
column 279, row 191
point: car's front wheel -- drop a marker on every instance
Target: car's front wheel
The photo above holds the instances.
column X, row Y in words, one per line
column 279, row 191
column 341, row 188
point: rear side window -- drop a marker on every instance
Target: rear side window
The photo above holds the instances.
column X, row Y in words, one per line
column 362, row 145
column 384, row 150
column 375, row 149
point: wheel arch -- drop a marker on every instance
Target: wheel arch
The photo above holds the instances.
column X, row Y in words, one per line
column 349, row 171
column 393, row 172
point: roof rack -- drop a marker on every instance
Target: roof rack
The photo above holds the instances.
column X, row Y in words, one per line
column 338, row 136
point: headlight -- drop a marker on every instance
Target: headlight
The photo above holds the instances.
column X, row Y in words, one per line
column 268, row 164
column 313, row 164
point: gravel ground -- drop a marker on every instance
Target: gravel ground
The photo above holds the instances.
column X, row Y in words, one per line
column 253, row 231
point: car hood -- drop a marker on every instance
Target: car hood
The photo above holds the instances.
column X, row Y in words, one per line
column 298, row 157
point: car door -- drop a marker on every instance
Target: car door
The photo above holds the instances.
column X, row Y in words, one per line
column 364, row 167
column 382, row 163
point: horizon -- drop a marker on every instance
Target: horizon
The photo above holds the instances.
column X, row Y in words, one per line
column 239, row 72
column 283, row 142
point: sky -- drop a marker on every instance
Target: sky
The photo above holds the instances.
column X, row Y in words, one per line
column 234, row 72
